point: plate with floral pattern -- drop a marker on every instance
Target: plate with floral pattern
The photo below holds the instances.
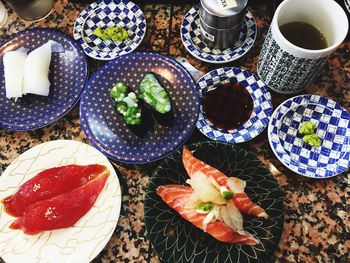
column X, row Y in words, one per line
column 104, row 126
column 68, row 74
column 177, row 240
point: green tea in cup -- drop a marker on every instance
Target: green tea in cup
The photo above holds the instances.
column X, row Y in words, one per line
column 301, row 37
column 304, row 35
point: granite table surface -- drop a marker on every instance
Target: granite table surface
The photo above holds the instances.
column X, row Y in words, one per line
column 317, row 217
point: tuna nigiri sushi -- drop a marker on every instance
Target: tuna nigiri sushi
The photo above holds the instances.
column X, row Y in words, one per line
column 49, row 183
column 231, row 188
column 60, row 211
column 222, row 221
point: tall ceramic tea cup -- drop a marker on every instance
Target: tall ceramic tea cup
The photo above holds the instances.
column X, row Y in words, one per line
column 287, row 68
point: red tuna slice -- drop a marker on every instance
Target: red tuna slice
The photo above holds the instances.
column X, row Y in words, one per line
column 241, row 200
column 178, row 197
column 49, row 183
column 61, row 211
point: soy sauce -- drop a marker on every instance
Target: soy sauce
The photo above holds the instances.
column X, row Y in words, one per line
column 228, row 106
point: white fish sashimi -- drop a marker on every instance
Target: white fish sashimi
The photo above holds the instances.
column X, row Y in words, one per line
column 36, row 71
column 14, row 63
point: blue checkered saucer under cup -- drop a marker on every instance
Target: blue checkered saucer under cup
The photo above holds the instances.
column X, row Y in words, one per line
column 262, row 105
column 191, row 38
column 106, row 14
column 332, row 127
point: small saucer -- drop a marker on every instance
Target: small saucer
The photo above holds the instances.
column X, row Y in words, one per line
column 262, row 105
column 109, row 13
column 332, row 121
column 191, row 38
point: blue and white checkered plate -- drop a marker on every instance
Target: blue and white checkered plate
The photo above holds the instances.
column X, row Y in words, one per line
column 191, row 38
column 332, row 127
column 262, row 105
column 109, row 13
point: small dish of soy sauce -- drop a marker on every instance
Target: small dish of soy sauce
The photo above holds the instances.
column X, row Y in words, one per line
column 228, row 106
column 235, row 105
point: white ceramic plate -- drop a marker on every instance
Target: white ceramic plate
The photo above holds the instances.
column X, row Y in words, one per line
column 80, row 243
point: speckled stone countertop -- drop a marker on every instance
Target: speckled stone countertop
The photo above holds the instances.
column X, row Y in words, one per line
column 317, row 217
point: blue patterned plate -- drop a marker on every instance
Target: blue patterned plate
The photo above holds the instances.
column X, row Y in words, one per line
column 109, row 13
column 68, row 73
column 332, row 127
column 191, row 38
column 177, row 240
column 107, row 131
column 262, row 109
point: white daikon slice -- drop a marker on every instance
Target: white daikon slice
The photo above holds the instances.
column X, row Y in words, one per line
column 236, row 216
column 225, row 216
column 209, row 218
column 212, row 180
column 232, row 217
column 204, row 191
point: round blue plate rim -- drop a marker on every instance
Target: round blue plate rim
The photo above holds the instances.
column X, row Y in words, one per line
column 183, row 38
column 78, row 35
column 222, row 132
column 94, row 142
column 287, row 164
column 11, row 127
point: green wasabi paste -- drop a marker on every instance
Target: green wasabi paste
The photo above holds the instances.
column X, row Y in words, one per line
column 307, row 128
column 312, row 139
column 117, row 34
